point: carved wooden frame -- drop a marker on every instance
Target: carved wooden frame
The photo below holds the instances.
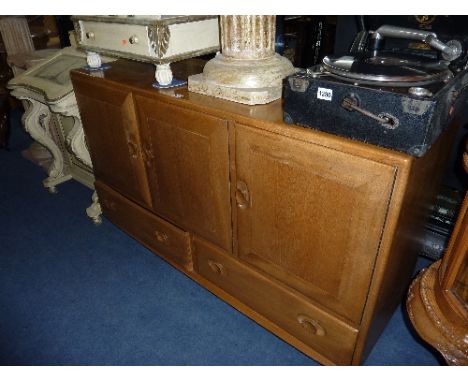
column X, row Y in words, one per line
column 438, row 314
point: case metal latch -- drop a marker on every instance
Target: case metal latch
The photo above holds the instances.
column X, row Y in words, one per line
column 298, row 84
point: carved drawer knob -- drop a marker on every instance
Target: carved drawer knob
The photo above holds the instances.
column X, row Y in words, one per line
column 90, row 35
column 311, row 325
column 217, row 268
column 133, row 39
column 108, row 204
column 161, row 237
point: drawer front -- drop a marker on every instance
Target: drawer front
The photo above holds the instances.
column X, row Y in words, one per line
column 130, row 39
column 178, row 40
column 161, row 237
column 317, row 329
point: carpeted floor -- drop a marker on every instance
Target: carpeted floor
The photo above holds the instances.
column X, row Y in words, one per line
column 72, row 293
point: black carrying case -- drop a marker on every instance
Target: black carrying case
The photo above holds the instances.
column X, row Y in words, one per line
column 420, row 120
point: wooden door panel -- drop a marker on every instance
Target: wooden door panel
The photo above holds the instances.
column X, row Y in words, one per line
column 110, row 124
column 189, row 170
column 314, row 216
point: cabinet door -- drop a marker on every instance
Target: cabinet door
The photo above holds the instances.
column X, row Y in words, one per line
column 110, row 124
column 311, row 216
column 188, row 168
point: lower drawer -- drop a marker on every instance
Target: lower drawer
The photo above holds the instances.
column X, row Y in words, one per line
column 319, row 330
column 160, row 236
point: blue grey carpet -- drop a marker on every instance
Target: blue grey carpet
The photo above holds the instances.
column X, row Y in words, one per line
column 72, row 293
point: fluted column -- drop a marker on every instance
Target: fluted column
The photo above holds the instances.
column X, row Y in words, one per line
column 248, row 37
column 247, row 70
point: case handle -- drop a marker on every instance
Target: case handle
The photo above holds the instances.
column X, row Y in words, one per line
column 387, row 120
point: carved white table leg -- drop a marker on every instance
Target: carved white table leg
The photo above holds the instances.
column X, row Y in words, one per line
column 94, row 211
column 163, row 74
column 76, row 139
column 35, row 121
column 76, row 142
column 93, row 59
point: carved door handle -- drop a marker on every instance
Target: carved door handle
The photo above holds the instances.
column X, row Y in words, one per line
column 132, row 148
column 148, row 154
column 311, row 325
column 242, row 195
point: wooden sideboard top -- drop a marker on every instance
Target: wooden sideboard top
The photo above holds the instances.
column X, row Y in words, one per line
column 140, row 77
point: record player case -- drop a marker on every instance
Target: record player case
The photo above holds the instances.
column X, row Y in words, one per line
column 381, row 95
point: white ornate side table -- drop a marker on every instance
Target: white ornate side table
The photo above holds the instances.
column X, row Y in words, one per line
column 157, row 39
column 53, row 120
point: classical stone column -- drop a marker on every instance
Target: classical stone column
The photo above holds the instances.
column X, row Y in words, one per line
column 247, row 70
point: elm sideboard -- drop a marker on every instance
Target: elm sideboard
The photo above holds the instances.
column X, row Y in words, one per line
column 313, row 236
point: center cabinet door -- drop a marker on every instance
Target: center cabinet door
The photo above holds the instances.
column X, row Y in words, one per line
column 187, row 160
column 310, row 216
